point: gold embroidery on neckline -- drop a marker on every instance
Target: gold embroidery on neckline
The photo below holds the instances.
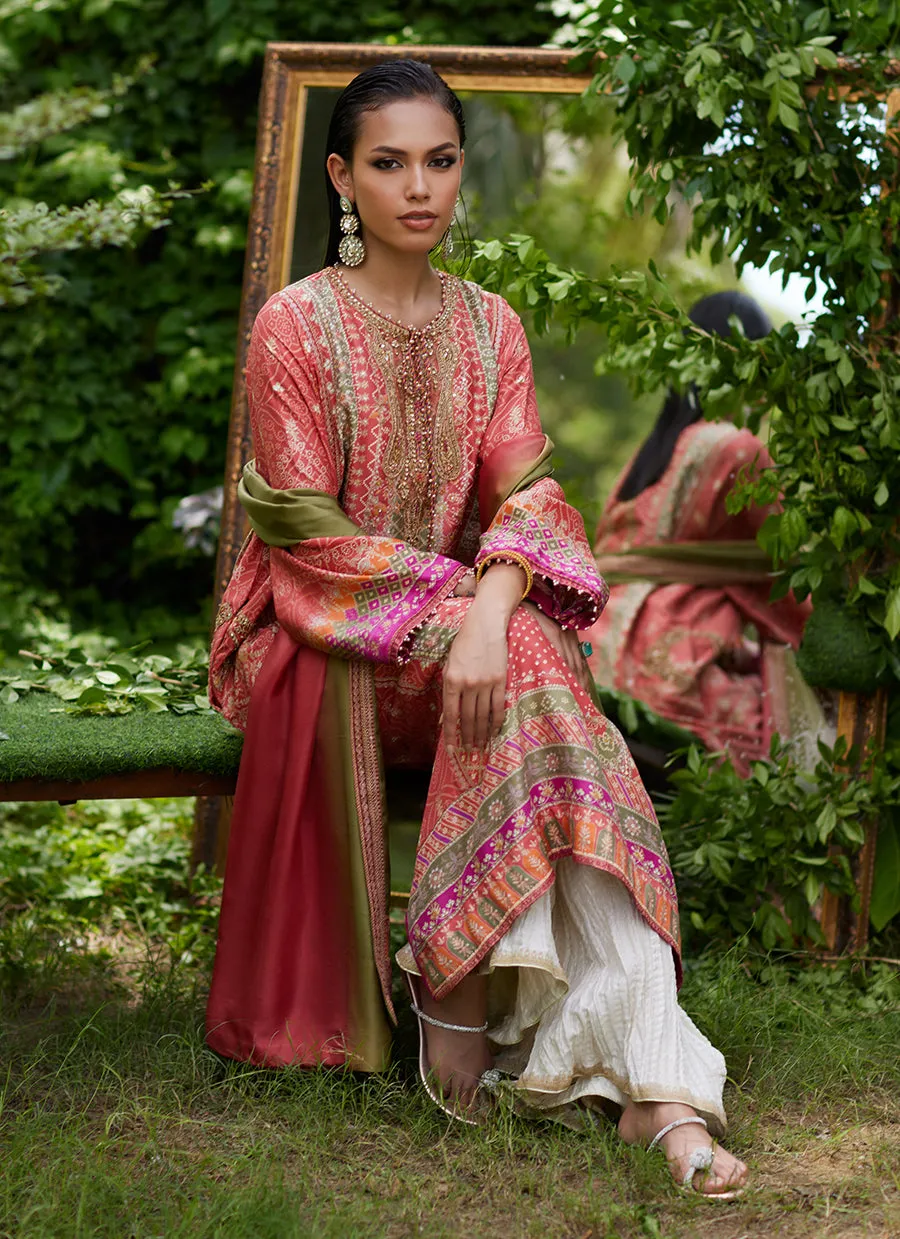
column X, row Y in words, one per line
column 417, row 366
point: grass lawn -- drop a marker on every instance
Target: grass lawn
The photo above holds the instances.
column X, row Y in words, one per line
column 116, row 1121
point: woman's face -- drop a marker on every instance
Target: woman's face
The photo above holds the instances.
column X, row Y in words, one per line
column 404, row 174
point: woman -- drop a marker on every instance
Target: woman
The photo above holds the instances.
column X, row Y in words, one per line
column 411, row 592
column 683, row 647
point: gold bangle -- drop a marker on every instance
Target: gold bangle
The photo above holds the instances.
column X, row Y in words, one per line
column 508, row 557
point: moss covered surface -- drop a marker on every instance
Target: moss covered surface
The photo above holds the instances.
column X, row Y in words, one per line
column 43, row 744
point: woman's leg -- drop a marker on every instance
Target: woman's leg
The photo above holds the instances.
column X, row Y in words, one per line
column 458, row 1059
column 557, row 787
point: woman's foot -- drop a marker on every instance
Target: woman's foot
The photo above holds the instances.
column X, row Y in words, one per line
column 641, row 1121
column 457, row 1059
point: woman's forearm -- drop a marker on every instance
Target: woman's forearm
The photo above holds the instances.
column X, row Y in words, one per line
column 501, row 588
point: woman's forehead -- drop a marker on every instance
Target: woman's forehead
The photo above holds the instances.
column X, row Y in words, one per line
column 408, row 125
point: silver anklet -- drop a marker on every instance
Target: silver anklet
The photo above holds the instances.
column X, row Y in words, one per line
column 429, row 1019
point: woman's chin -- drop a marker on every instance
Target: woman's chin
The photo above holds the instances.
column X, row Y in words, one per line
column 411, row 244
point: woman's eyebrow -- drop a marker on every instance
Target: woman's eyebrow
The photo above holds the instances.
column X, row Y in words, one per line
column 395, row 150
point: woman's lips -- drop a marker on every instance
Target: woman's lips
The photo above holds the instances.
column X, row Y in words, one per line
column 418, row 223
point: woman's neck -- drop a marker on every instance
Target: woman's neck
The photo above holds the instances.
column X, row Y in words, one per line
column 404, row 287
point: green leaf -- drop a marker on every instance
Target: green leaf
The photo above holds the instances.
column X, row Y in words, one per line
column 845, row 369
column 788, row 117
column 885, row 903
column 625, row 68
column 107, row 677
column 91, row 696
column 747, row 43
column 826, row 822
column 892, row 614
column 843, row 524
column 558, row 289
column 882, row 494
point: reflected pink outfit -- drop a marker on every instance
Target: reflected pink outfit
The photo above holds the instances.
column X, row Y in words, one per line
column 682, row 649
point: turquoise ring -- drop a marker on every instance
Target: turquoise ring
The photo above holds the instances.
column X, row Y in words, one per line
column 587, row 649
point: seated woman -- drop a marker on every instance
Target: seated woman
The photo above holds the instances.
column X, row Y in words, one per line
column 411, row 593
column 684, row 648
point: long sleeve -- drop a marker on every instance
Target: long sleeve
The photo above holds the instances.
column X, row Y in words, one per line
column 359, row 595
column 535, row 522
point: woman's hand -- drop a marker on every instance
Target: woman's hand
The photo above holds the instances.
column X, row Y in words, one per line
column 465, row 586
column 475, row 674
column 565, row 642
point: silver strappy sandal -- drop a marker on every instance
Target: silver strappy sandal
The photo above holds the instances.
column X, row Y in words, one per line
column 488, row 1081
column 698, row 1159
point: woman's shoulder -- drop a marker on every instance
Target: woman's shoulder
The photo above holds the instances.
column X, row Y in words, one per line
column 300, row 298
column 720, row 446
column 499, row 314
column 289, row 316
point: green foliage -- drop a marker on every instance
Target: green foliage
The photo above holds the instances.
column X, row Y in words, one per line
column 753, row 856
column 737, row 109
column 636, row 719
column 91, row 674
column 115, row 864
column 32, row 230
column 837, row 650
column 116, row 394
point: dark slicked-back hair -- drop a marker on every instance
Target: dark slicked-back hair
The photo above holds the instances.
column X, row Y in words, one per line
column 712, row 314
column 387, row 82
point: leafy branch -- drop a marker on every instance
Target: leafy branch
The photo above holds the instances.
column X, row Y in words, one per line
column 58, row 111
column 91, row 674
column 31, row 230
column 742, row 110
column 754, row 855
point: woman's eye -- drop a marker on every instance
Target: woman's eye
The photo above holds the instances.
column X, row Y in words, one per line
column 444, row 161
column 386, row 163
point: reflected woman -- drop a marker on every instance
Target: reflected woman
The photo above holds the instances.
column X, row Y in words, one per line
column 411, row 594
column 684, row 648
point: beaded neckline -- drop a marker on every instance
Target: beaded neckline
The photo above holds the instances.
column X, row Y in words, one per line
column 392, row 324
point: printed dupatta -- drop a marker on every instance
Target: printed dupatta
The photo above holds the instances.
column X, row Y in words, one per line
column 303, row 970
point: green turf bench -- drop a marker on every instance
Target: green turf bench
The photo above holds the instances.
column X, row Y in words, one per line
column 51, row 755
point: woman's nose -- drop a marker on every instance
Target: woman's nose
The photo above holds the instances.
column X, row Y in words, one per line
column 417, row 186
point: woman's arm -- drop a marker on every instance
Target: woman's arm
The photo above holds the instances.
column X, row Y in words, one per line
column 475, row 674
column 534, row 523
column 533, row 544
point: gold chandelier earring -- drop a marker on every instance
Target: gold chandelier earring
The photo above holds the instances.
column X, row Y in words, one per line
column 447, row 247
column 351, row 249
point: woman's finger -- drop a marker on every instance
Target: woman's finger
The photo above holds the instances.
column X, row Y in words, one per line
column 587, row 676
column 468, row 704
column 498, row 709
column 483, row 718
column 451, row 716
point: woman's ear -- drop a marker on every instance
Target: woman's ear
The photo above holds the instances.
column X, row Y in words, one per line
column 341, row 177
